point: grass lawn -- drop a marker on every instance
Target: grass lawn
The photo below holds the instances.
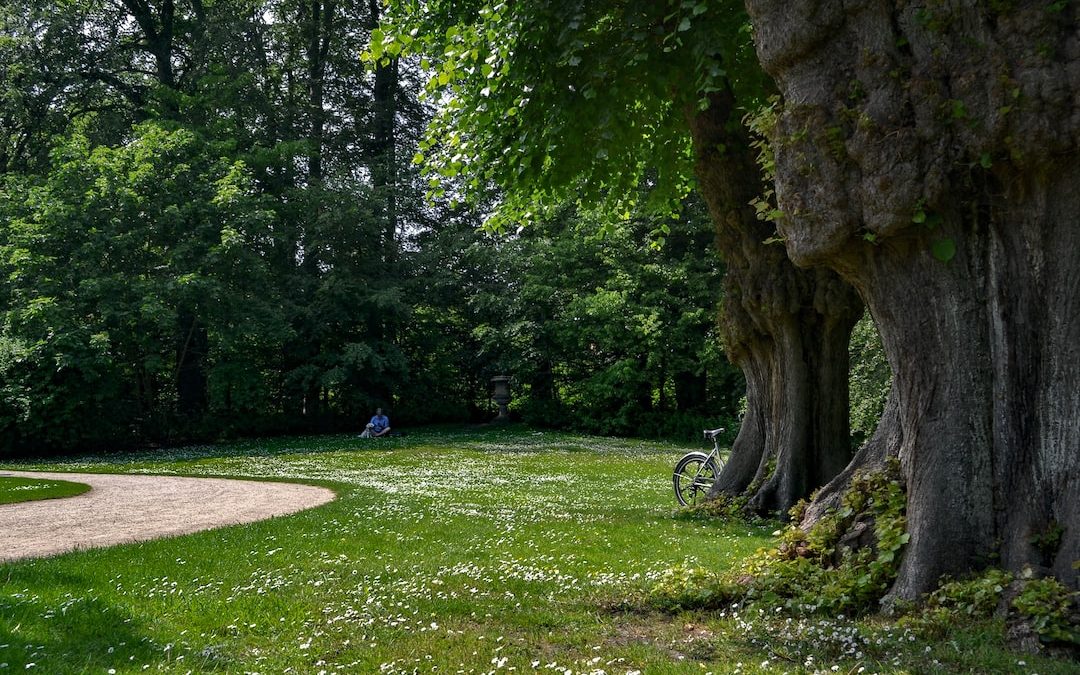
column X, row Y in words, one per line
column 452, row 552
column 14, row 490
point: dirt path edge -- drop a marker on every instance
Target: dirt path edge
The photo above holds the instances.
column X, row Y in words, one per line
column 124, row 508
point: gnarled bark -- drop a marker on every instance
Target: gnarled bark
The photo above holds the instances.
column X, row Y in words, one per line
column 948, row 135
column 787, row 329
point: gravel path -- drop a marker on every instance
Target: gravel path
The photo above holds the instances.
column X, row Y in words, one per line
column 126, row 508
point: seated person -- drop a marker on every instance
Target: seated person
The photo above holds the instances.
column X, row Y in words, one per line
column 378, row 426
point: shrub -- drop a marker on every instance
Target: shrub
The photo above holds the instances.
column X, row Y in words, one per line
column 843, row 564
column 1050, row 607
column 683, row 587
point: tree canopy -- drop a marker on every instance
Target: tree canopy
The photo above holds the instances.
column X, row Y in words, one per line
column 588, row 111
column 209, row 225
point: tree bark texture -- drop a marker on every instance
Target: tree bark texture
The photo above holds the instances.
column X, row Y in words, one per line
column 787, row 329
column 947, row 133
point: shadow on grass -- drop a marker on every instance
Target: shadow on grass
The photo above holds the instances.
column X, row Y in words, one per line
column 79, row 633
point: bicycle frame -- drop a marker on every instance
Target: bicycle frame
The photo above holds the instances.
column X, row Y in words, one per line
column 708, row 467
column 714, row 435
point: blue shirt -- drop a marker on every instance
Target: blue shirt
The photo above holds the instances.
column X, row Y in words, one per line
column 379, row 422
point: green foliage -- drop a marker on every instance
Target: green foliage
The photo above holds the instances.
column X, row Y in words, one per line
column 1046, row 605
column 607, row 335
column 202, row 252
column 762, row 125
column 869, row 379
column 689, row 588
column 943, row 249
column 722, row 507
column 96, row 258
column 957, row 601
column 842, row 565
column 613, row 78
column 977, row 598
column 1048, row 541
column 225, row 240
column 1052, row 609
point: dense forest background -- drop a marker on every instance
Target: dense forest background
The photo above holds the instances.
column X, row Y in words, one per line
column 211, row 225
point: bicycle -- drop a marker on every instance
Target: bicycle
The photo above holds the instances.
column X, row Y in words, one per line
column 696, row 471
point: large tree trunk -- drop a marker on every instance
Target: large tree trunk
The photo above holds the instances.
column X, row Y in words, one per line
column 948, row 135
column 787, row 329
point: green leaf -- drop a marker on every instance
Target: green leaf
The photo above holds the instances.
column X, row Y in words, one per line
column 943, row 249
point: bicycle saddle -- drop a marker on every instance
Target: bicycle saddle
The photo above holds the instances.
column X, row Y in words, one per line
column 711, row 435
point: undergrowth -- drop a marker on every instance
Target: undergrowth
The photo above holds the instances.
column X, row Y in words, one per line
column 844, row 564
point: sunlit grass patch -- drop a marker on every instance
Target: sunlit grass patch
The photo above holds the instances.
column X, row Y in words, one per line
column 14, row 490
column 471, row 552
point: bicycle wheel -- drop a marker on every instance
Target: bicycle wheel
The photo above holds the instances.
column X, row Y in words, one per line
column 694, row 475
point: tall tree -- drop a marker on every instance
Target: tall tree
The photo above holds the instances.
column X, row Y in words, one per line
column 290, row 106
column 928, row 153
column 383, row 149
column 97, row 259
column 788, row 329
column 582, row 112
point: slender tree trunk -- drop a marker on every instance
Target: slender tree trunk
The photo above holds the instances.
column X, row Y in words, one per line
column 384, row 142
column 949, row 136
column 319, row 17
column 787, row 329
column 190, row 357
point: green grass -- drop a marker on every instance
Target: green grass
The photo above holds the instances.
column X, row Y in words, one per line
column 445, row 552
column 14, row 490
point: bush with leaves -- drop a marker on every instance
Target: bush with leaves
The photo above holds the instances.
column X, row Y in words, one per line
column 844, row 564
column 102, row 261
